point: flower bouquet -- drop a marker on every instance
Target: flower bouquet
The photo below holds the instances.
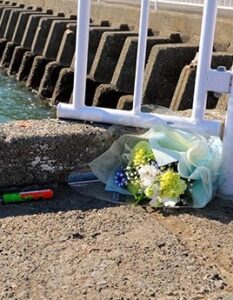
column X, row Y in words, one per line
column 165, row 167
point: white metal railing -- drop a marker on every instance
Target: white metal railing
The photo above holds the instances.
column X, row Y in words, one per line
column 222, row 4
column 78, row 110
column 207, row 79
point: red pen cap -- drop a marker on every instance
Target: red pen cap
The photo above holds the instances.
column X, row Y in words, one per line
column 40, row 194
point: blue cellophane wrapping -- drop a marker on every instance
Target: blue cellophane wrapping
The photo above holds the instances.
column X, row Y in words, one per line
column 198, row 156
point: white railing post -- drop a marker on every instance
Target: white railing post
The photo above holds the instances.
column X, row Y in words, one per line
column 81, row 54
column 204, row 59
column 141, row 56
column 156, row 4
column 226, row 180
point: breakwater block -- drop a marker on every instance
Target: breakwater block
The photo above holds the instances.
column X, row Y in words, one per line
column 125, row 102
column 49, row 79
column 37, row 72
column 25, row 66
column 183, row 95
column 5, row 13
column 95, row 35
column 106, row 96
column 163, row 69
column 64, row 86
column 107, row 55
column 124, row 75
column 7, row 54
column 16, row 60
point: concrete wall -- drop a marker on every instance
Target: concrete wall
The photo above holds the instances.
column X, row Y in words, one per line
column 65, row 6
column 162, row 21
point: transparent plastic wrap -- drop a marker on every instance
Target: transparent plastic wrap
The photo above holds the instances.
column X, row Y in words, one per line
column 88, row 184
column 163, row 167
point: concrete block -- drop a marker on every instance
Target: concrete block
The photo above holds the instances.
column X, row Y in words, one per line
column 95, row 35
column 54, row 39
column 3, row 43
column 16, row 60
column 162, row 71
column 7, row 54
column 30, row 30
column 107, row 55
column 64, row 59
column 9, row 31
column 6, row 10
column 183, row 95
column 7, row 4
column 184, row 88
column 42, row 32
column 106, row 96
column 124, row 74
column 64, row 86
column 222, row 103
column 221, row 46
column 49, row 79
column 57, row 26
column 72, row 26
column 73, row 62
column 105, row 23
column 67, row 47
column 25, row 66
column 24, row 34
column 13, row 24
column 125, row 102
column 21, row 25
column 91, row 86
column 37, row 72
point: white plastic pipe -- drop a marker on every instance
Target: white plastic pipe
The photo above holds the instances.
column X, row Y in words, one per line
column 204, row 59
column 141, row 119
column 226, row 180
column 141, row 55
column 81, row 54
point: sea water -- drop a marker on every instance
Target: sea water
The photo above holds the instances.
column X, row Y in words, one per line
column 18, row 103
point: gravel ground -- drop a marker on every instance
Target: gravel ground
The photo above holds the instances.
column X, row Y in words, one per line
column 74, row 247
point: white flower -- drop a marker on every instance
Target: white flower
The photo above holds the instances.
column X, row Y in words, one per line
column 170, row 202
column 166, row 202
column 147, row 175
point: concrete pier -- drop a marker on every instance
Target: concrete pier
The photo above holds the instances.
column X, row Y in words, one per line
column 38, row 46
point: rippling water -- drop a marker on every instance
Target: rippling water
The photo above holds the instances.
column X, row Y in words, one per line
column 18, row 103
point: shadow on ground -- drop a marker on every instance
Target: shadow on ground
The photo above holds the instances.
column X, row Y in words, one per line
column 66, row 199
column 218, row 209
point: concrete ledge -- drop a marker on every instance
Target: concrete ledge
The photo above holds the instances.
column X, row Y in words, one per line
column 46, row 151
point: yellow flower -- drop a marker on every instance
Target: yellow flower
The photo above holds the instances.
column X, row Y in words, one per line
column 142, row 153
column 171, row 185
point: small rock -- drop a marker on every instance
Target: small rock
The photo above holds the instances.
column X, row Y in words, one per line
column 161, row 244
column 219, row 284
column 76, row 235
column 191, row 268
column 94, row 235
